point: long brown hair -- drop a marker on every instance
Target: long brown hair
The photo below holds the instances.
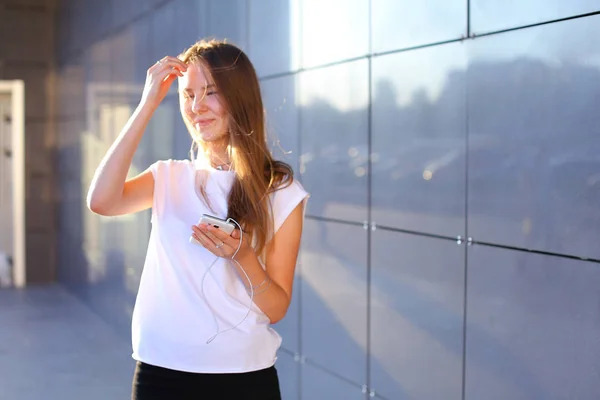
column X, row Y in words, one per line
column 257, row 173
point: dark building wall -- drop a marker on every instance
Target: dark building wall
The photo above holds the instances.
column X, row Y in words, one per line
column 451, row 150
column 27, row 52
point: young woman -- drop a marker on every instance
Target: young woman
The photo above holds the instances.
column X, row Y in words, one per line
column 201, row 324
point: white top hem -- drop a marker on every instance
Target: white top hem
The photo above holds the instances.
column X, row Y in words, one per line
column 197, row 369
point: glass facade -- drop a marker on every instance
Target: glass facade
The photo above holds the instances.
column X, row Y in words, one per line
column 451, row 243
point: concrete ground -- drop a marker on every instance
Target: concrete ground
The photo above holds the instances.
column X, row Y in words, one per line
column 52, row 347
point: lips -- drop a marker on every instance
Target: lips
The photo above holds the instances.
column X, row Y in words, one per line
column 203, row 123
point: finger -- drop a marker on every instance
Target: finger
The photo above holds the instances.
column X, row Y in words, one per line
column 175, row 66
column 222, row 236
column 210, row 245
column 213, row 238
column 238, row 235
column 210, row 239
column 199, row 240
column 219, row 233
column 163, row 75
column 218, row 237
column 199, row 232
column 194, row 240
column 169, row 79
column 168, row 69
column 172, row 63
column 158, row 69
column 175, row 60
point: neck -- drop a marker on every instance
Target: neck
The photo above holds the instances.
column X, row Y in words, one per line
column 217, row 153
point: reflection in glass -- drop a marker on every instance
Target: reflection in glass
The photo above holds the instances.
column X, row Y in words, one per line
column 142, row 49
column 270, row 36
column 419, row 131
column 192, row 17
column 533, row 142
column 334, row 297
column 281, row 110
column 398, row 24
column 163, row 40
column 70, row 94
column 493, row 15
column 288, row 374
column 282, row 130
column 113, row 249
column 123, row 63
column 228, row 19
column 334, row 123
column 417, row 315
column 320, row 385
column 332, row 30
column 532, row 327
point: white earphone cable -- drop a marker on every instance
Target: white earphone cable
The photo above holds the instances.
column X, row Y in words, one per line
column 247, row 278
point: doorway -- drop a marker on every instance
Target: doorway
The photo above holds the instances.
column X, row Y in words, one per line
column 12, row 182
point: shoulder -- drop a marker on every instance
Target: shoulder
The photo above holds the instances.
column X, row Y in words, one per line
column 289, row 189
column 169, row 166
column 171, row 163
column 285, row 199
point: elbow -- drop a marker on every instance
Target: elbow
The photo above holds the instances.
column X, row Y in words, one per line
column 96, row 206
column 279, row 315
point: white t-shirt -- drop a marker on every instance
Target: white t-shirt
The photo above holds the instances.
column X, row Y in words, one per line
column 172, row 320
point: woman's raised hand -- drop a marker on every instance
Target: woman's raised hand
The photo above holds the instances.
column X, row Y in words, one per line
column 159, row 78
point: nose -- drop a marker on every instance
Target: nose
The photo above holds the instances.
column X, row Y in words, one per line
column 199, row 104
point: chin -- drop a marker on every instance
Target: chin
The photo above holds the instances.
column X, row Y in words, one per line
column 208, row 137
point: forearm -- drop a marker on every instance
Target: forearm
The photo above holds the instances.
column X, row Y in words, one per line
column 268, row 295
column 109, row 178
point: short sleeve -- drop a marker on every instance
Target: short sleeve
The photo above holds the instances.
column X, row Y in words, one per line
column 167, row 174
column 285, row 200
column 158, row 171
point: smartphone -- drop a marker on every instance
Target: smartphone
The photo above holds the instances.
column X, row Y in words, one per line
column 216, row 223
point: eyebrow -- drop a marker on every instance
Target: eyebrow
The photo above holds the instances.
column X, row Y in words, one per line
column 210, row 86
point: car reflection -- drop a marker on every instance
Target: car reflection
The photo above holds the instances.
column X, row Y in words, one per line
column 431, row 176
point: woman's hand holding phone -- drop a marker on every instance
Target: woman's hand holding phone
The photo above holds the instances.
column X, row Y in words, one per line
column 221, row 238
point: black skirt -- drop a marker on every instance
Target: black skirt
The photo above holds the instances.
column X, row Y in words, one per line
column 154, row 383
